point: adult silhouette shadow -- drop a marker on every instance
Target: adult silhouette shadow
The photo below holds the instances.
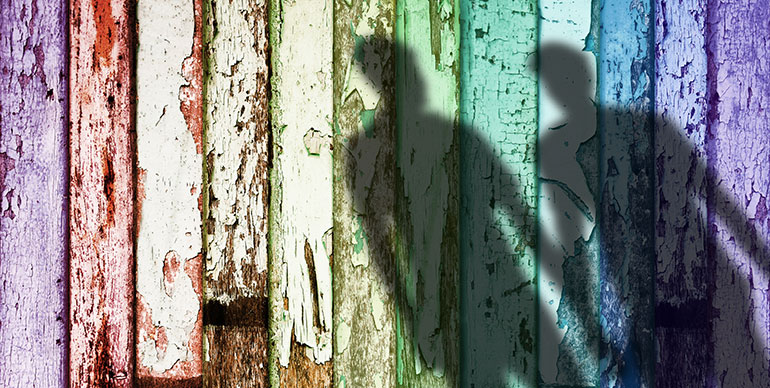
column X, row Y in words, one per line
column 499, row 234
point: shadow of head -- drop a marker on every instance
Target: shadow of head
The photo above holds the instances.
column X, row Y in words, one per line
column 565, row 74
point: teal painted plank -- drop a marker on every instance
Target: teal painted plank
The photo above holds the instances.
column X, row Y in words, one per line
column 568, row 278
column 625, row 94
column 498, row 113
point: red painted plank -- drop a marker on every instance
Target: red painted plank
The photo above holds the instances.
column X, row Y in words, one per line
column 101, row 193
column 33, row 189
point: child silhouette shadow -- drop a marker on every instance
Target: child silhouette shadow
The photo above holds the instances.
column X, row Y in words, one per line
column 476, row 241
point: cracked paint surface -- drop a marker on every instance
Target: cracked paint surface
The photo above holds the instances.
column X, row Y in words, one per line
column 364, row 144
column 237, row 191
column 301, row 197
column 33, row 194
column 568, row 245
column 737, row 145
column 682, row 274
column 101, row 194
column 498, row 112
column 169, row 145
column 426, row 203
column 626, row 76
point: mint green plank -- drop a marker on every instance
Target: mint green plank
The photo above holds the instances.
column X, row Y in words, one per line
column 498, row 113
column 426, row 192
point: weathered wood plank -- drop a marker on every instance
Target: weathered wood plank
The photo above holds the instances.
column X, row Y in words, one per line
column 426, row 223
column 169, row 162
column 364, row 170
column 33, row 193
column 568, row 269
column 737, row 144
column 498, row 134
column 625, row 95
column 102, row 194
column 682, row 273
column 301, row 194
column 236, row 193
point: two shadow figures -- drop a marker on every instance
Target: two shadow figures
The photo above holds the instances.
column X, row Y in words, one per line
column 512, row 260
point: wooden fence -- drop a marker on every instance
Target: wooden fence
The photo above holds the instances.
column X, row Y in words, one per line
column 361, row 193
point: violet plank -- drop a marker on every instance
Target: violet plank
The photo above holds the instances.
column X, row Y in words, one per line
column 738, row 185
column 33, row 193
column 682, row 273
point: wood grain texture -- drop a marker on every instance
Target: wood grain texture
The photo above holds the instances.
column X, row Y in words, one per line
column 33, row 193
column 737, row 145
column 426, row 192
column 364, row 170
column 236, row 193
column 627, row 270
column 169, row 162
column 301, row 194
column 101, row 194
column 682, row 273
column 498, row 182
column 568, row 246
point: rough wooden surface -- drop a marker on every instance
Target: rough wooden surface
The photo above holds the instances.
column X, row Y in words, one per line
column 364, row 169
column 169, row 163
column 682, row 273
column 33, row 192
column 301, row 194
column 101, row 194
column 426, row 192
column 498, row 181
column 568, row 270
column 737, row 145
column 625, row 96
column 236, row 193
column 363, row 274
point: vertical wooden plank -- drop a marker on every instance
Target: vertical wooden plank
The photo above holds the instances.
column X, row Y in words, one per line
column 427, row 251
column 33, row 193
column 364, row 170
column 498, row 135
column 169, row 148
column 737, row 144
column 682, row 273
column 568, row 269
column 236, row 193
column 625, row 93
column 301, row 194
column 102, row 194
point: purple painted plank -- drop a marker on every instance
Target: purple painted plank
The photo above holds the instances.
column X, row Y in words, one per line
column 682, row 274
column 738, row 145
column 33, row 186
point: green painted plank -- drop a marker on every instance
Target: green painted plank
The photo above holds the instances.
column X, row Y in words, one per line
column 426, row 193
column 498, row 198
column 364, row 170
column 568, row 169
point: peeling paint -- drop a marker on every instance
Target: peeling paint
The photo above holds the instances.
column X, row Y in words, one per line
column 364, row 145
column 34, row 227
column 169, row 151
column 427, row 253
column 300, row 282
column 498, row 193
column 567, row 239
column 237, row 149
column 101, row 337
